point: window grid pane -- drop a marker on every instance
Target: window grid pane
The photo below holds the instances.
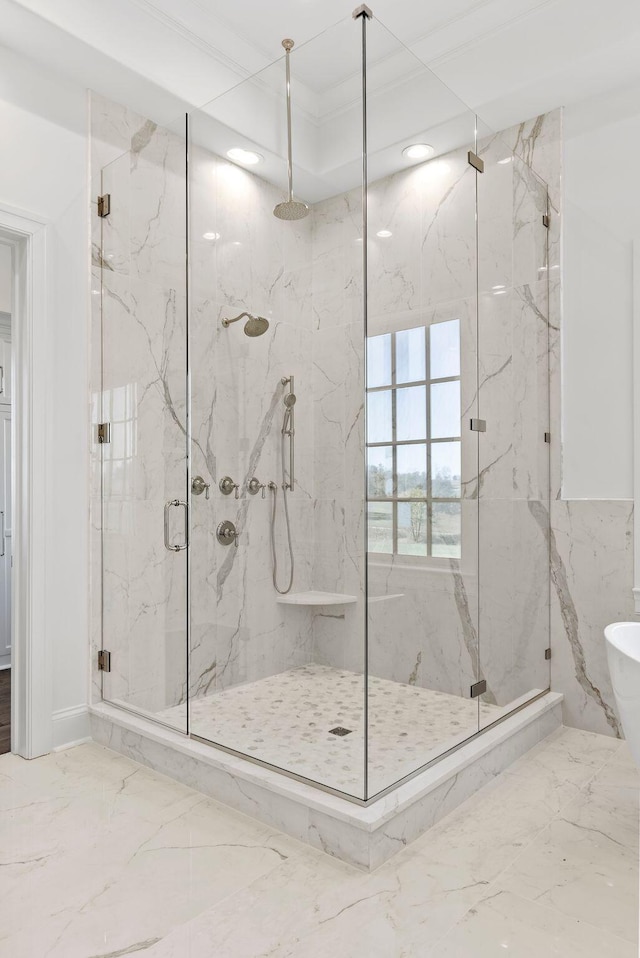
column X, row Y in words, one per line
column 417, row 522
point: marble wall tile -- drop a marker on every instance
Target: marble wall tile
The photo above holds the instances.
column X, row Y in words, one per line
column 539, row 144
column 249, row 261
column 592, row 576
column 514, row 598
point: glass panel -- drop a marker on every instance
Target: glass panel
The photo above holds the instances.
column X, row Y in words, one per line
column 410, row 355
column 379, row 416
column 412, row 528
column 423, row 646
column 445, row 410
column 412, row 470
column 411, row 413
column 381, row 527
column 380, row 459
column 379, row 361
column 144, row 466
column 270, row 679
column 514, row 458
column 445, row 349
column 447, row 528
column 445, row 470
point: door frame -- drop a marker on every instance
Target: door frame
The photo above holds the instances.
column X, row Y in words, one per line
column 31, row 443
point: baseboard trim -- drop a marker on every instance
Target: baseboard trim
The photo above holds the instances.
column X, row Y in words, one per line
column 71, row 727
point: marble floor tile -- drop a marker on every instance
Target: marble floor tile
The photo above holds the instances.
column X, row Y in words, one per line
column 122, row 861
column 503, row 923
column 133, row 844
column 585, row 863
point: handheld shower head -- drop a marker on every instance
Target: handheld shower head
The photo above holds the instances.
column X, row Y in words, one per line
column 254, row 326
column 289, row 400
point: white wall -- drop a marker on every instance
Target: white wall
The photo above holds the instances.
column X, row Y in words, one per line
column 602, row 217
column 44, row 173
column 597, row 360
column 5, row 279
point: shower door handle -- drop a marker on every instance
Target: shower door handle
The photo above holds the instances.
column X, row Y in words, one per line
column 167, row 506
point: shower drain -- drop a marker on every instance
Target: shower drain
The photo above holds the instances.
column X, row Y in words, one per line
column 340, row 731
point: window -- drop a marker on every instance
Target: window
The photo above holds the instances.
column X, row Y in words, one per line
column 413, row 441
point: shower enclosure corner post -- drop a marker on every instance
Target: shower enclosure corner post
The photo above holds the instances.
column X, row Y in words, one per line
column 364, row 14
column 188, row 421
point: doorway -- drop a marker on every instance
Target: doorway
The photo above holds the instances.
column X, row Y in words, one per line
column 6, row 379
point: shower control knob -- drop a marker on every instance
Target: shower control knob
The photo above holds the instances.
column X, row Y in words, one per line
column 198, row 486
column 254, row 486
column 227, row 485
column 226, row 533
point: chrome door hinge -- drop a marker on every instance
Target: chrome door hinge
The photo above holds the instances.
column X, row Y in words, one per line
column 547, row 437
column 104, row 204
column 547, row 654
column 478, row 688
column 104, row 661
column 103, row 432
column 478, row 425
column 546, row 220
column 476, row 162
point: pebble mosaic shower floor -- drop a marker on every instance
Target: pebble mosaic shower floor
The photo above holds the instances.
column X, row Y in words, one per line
column 286, row 720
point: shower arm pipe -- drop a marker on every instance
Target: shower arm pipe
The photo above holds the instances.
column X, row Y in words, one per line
column 288, row 46
column 227, row 322
column 290, row 432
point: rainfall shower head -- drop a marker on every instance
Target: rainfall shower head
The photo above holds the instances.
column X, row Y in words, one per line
column 254, row 326
column 290, row 209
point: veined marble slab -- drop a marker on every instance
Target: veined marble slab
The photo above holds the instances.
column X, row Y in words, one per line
column 363, row 835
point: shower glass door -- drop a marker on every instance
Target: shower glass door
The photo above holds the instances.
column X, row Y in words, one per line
column 276, row 308
column 144, row 403
column 513, row 353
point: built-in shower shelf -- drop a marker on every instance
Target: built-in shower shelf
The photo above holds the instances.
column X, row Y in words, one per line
column 316, row 598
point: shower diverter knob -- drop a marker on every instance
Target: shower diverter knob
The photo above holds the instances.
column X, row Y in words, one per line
column 226, row 533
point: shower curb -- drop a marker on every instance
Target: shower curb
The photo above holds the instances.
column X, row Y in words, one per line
column 362, row 835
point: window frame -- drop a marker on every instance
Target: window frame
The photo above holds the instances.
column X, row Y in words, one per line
column 429, row 441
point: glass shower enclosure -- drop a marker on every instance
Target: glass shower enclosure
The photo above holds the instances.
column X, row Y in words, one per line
column 325, row 499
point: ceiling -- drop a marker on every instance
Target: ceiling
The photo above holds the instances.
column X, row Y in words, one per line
column 506, row 59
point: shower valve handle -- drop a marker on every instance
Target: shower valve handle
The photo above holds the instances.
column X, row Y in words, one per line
column 226, row 533
column 254, row 486
column 227, row 486
column 198, row 486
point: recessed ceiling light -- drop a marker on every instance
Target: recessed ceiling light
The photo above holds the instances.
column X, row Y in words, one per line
column 211, row 236
column 384, row 233
column 418, row 151
column 247, row 157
